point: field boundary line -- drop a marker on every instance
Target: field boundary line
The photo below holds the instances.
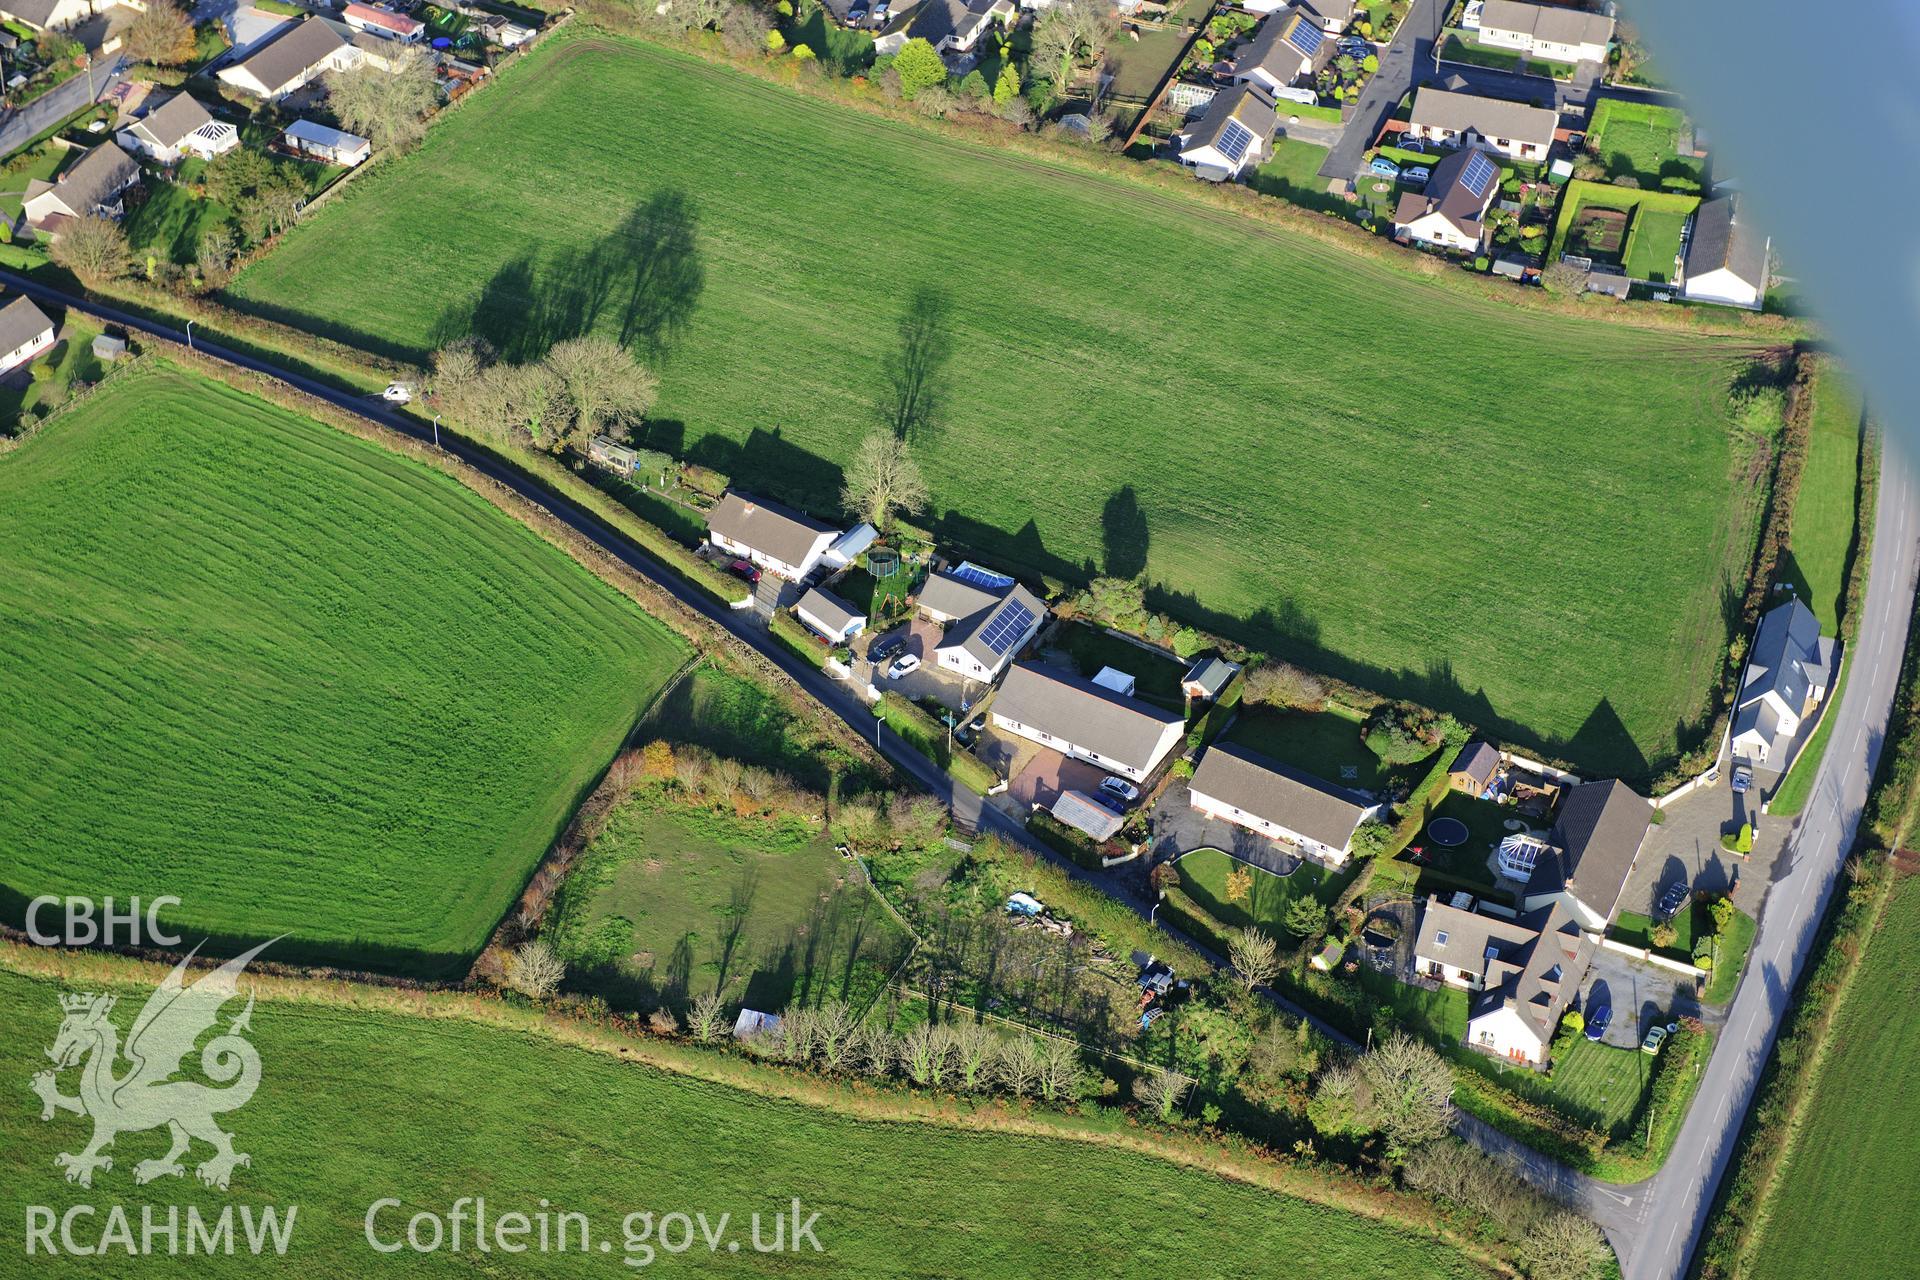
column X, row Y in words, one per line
column 617, row 1039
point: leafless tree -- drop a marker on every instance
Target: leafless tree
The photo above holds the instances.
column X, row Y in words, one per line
column 1563, row 1246
column 1017, row 1066
column 1255, row 957
column 1059, row 1074
column 1281, row 684
column 535, row 970
column 600, row 387
column 1161, row 1091
column 388, row 106
column 973, row 1049
column 707, row 1018
column 1412, row 1088
column 162, row 35
column 93, row 249
column 919, row 1053
column 834, row 1027
column 882, row 479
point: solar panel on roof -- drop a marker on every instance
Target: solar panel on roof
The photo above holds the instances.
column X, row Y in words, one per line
column 986, row 579
column 1478, row 173
column 1007, row 627
column 1234, row 141
column 1305, row 37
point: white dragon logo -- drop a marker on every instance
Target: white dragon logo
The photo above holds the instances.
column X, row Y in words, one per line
column 175, row 1016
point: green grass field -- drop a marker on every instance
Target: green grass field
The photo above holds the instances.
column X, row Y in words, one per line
column 1326, row 744
column 732, row 716
column 303, row 684
column 745, row 268
column 1824, row 510
column 1851, row 1173
column 672, row 902
column 356, row 1105
column 1156, row 678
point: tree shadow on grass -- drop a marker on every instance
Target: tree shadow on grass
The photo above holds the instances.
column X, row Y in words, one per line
column 639, row 284
column 915, row 384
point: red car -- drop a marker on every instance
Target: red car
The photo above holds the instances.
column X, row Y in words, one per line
column 744, row 569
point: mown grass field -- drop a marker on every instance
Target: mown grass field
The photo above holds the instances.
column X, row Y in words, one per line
column 1825, row 507
column 672, row 902
column 355, row 1105
column 303, row 684
column 1366, row 478
column 1853, row 1174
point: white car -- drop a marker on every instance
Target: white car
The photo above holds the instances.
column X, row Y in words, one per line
column 397, row 393
column 1120, row 789
column 905, row 664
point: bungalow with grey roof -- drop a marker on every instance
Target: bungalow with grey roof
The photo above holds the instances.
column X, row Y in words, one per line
column 92, row 188
column 292, row 60
column 1279, row 802
column 1288, row 47
column 1554, row 32
column 981, row 644
column 1081, row 719
column 1726, row 259
column 1466, row 119
column 179, row 126
column 1788, row 671
column 778, row 539
column 1587, row 859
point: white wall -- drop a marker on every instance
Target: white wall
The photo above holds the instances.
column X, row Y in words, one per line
column 1503, row 1033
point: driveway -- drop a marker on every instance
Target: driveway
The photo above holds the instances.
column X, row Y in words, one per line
column 1640, row 994
column 1410, row 54
column 1176, row 827
column 1036, row 775
column 950, row 690
column 1687, row 846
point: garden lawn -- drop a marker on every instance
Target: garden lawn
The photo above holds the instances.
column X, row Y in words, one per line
column 45, row 161
column 1203, row 874
column 1156, row 678
column 672, row 902
column 71, row 359
column 1653, row 246
column 1599, row 1085
column 1294, row 174
column 356, row 1105
column 1466, row 863
column 728, row 266
column 1326, row 744
column 170, row 222
column 1640, row 140
column 1653, row 234
column 1853, row 1171
column 304, row 684
column 1824, row 509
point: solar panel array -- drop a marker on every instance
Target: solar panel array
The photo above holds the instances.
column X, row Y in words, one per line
column 1478, row 173
column 1305, row 37
column 1007, row 626
column 986, row 579
column 1234, row 141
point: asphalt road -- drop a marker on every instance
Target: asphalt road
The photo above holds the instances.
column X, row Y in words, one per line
column 1670, row 1209
column 57, row 104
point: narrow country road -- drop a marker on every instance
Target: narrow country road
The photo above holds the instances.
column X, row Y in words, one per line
column 1652, row 1225
column 58, row 103
column 1671, row 1208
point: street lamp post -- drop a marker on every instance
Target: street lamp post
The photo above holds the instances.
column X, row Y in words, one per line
column 436, row 431
column 189, row 335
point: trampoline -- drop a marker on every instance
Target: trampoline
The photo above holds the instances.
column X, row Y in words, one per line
column 1448, row 833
